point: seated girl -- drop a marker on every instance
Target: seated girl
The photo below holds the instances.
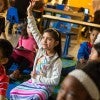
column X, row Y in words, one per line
column 47, row 65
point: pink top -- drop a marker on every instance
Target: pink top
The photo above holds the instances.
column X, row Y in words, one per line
column 29, row 43
column 30, row 49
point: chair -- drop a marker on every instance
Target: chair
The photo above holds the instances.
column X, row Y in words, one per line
column 60, row 6
column 64, row 28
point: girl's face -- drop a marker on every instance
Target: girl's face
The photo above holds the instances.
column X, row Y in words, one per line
column 72, row 89
column 48, row 42
column 93, row 35
column 93, row 55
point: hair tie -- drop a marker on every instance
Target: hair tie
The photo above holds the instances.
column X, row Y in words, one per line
column 87, row 82
column 55, row 31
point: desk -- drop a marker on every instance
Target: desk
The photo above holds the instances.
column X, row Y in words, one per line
column 74, row 15
column 71, row 21
column 49, row 17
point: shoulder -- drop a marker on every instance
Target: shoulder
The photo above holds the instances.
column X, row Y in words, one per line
column 84, row 44
column 58, row 62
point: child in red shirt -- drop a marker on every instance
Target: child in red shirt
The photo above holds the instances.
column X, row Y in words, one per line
column 5, row 52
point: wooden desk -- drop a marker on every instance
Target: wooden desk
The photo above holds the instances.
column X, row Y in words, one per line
column 74, row 15
column 49, row 17
column 70, row 20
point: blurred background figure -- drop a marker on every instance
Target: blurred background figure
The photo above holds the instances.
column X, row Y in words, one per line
column 3, row 9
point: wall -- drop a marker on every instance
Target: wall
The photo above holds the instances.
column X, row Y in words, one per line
column 82, row 3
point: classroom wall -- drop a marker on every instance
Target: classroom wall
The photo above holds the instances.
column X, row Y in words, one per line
column 82, row 3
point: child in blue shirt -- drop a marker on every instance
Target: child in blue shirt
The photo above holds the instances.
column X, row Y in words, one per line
column 85, row 48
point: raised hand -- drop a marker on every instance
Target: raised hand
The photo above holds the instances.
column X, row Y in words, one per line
column 31, row 5
column 33, row 74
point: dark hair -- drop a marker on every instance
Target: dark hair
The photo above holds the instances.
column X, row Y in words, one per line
column 57, row 36
column 92, row 68
column 91, row 29
column 97, row 17
column 38, row 5
column 6, row 48
column 81, row 9
column 94, row 28
column 24, row 30
column 12, row 2
column 97, row 48
column 5, row 4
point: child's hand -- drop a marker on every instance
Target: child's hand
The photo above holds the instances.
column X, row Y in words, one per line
column 33, row 74
column 31, row 5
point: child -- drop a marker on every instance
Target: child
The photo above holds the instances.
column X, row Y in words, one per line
column 12, row 16
column 24, row 53
column 5, row 52
column 47, row 66
column 82, row 84
column 85, row 48
column 95, row 52
column 3, row 8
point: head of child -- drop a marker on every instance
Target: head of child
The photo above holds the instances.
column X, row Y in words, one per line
column 93, row 34
column 51, row 41
column 5, row 51
column 39, row 4
column 95, row 52
column 82, row 84
column 97, row 17
column 12, row 2
column 3, row 5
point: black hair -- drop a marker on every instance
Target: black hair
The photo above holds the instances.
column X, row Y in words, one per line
column 24, row 31
column 97, row 48
column 57, row 36
column 97, row 17
column 12, row 2
column 92, row 68
column 5, row 4
column 94, row 28
column 81, row 9
column 90, row 29
column 6, row 48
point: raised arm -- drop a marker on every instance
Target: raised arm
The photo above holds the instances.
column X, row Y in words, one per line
column 32, row 23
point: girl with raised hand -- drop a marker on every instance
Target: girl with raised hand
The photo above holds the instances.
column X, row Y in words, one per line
column 47, row 65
